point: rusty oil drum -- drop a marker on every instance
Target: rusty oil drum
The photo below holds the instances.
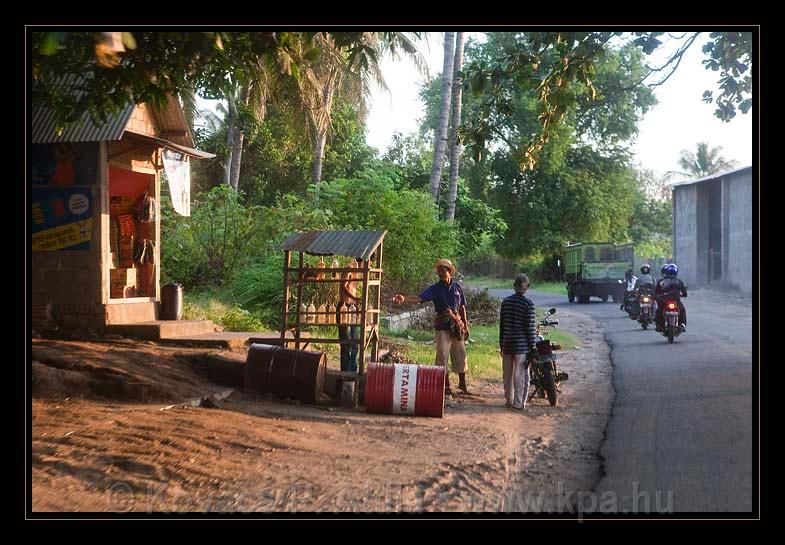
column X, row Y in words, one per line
column 285, row 372
column 409, row 389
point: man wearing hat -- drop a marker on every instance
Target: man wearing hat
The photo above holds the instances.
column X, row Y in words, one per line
column 517, row 343
column 451, row 322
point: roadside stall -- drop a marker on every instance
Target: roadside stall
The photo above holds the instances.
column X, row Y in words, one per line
column 311, row 289
column 95, row 206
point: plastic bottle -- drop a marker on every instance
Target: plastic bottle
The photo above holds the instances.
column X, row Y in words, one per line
column 320, row 265
column 303, row 313
column 336, row 265
column 310, row 316
column 331, row 313
column 321, row 318
column 351, row 314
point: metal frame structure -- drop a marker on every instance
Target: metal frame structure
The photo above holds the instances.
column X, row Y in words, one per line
column 371, row 278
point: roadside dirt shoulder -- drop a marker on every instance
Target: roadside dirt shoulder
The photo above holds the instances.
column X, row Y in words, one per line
column 254, row 453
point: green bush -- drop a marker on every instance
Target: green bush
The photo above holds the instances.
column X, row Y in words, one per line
column 260, row 286
column 415, row 235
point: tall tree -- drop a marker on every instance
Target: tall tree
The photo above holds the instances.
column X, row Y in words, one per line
column 552, row 61
column 455, row 144
column 347, row 71
column 705, row 161
column 440, row 138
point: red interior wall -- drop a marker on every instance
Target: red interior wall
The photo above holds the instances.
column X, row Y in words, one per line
column 124, row 182
column 127, row 182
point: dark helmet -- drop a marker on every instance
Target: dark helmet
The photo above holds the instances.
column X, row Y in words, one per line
column 670, row 269
column 645, row 268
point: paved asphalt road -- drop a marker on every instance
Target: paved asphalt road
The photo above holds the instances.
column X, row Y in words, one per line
column 680, row 434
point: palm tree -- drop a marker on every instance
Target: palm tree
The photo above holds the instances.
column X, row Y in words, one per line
column 347, row 70
column 704, row 162
column 455, row 145
column 440, row 138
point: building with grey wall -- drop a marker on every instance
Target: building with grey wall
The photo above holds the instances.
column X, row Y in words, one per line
column 712, row 230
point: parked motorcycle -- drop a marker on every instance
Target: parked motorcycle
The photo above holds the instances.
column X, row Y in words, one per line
column 646, row 308
column 672, row 329
column 544, row 372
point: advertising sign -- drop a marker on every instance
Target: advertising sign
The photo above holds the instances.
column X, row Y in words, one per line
column 62, row 218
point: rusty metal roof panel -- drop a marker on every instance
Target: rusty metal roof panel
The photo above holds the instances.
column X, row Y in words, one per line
column 346, row 243
column 44, row 129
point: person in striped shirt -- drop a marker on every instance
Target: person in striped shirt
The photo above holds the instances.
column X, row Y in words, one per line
column 517, row 328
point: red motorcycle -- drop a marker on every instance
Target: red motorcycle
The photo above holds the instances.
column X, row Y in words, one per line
column 671, row 312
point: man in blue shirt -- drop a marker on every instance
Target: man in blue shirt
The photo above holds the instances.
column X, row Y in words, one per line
column 451, row 322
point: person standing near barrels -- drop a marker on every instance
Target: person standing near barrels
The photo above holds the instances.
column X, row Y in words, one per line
column 451, row 321
column 347, row 330
column 517, row 343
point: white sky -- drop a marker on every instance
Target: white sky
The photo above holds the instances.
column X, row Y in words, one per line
column 678, row 121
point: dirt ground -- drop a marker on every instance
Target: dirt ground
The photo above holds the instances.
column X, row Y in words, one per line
column 132, row 442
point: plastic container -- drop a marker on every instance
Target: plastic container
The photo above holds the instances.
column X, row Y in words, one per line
column 171, row 301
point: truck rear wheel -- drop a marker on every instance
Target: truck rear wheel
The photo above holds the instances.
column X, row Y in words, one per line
column 605, row 298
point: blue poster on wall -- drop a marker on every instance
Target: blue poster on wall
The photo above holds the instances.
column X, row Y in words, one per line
column 62, row 218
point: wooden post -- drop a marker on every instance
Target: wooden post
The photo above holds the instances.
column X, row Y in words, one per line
column 102, row 226
column 285, row 320
column 363, row 319
column 157, row 159
column 375, row 349
column 299, row 301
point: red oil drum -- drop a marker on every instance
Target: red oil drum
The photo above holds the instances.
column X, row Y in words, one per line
column 409, row 389
column 285, row 372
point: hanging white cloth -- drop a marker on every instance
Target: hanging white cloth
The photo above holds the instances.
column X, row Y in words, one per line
column 178, row 174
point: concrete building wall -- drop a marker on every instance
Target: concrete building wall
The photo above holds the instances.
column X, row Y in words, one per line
column 703, row 202
column 685, row 232
column 66, row 285
column 739, row 235
column 692, row 213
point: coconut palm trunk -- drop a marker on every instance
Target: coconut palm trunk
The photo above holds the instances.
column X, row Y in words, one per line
column 319, row 141
column 455, row 145
column 238, row 137
column 440, row 138
column 230, row 115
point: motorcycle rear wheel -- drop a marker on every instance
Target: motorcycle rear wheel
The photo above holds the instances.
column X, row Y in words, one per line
column 645, row 323
column 550, row 385
column 670, row 334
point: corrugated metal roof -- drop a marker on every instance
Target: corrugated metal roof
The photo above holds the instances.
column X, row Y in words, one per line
column 43, row 128
column 346, row 243
column 711, row 177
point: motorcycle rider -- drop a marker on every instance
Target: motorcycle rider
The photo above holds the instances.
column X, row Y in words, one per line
column 645, row 277
column 646, row 282
column 670, row 288
column 630, row 279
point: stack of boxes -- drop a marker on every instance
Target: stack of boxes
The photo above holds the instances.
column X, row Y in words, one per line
column 122, row 233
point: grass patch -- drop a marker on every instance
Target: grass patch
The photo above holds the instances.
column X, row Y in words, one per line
column 488, row 282
column 483, row 353
column 220, row 306
column 491, row 282
column 550, row 287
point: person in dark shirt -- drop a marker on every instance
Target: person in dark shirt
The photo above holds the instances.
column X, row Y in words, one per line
column 451, row 321
column 670, row 288
column 347, row 294
column 517, row 330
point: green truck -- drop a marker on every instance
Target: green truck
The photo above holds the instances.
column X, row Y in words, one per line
column 596, row 269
